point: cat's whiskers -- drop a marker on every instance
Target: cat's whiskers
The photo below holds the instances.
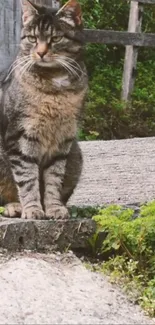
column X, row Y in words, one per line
column 67, row 66
column 20, row 59
column 73, row 62
column 25, row 68
column 62, row 64
column 15, row 65
column 29, row 68
column 72, row 69
column 19, row 62
column 75, row 66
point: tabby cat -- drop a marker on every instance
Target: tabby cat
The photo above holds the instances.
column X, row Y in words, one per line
column 41, row 104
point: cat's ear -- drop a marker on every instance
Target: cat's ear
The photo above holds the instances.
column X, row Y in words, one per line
column 29, row 10
column 72, row 9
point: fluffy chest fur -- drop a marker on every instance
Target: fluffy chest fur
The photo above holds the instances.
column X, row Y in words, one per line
column 50, row 119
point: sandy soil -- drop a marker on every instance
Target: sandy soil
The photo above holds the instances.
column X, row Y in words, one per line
column 57, row 289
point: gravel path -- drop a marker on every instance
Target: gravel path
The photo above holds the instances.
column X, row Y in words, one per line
column 120, row 171
column 57, row 289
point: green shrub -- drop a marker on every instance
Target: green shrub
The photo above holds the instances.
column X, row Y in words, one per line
column 106, row 116
column 131, row 243
column 1, row 210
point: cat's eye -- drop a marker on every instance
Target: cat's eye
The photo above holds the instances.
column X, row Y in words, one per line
column 32, row 39
column 57, row 39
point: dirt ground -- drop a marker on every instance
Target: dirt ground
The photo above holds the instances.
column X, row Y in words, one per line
column 58, row 289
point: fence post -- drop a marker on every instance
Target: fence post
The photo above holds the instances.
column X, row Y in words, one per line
column 10, row 17
column 131, row 53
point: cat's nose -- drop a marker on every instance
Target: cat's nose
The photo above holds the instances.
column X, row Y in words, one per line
column 42, row 49
column 42, row 54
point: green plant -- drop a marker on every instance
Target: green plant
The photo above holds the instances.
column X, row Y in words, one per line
column 131, row 242
column 147, row 300
column 1, row 210
column 82, row 212
column 106, row 115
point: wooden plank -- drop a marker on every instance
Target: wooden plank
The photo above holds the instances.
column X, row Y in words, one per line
column 10, row 16
column 131, row 54
column 119, row 38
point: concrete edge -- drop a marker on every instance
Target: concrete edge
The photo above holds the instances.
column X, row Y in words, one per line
column 43, row 235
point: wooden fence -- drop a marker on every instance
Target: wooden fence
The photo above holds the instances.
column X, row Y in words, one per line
column 10, row 19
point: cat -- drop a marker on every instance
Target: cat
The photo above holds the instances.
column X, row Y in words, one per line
column 41, row 105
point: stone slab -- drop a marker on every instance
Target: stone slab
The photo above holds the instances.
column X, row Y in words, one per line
column 43, row 235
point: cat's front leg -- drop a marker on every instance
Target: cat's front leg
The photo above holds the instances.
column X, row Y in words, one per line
column 53, row 181
column 26, row 176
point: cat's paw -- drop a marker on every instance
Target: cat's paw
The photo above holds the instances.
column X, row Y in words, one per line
column 33, row 213
column 57, row 212
column 12, row 210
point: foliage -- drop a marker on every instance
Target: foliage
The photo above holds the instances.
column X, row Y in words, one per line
column 131, row 243
column 107, row 117
column 1, row 210
column 82, row 212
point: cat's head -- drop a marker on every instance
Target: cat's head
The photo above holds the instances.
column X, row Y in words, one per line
column 49, row 37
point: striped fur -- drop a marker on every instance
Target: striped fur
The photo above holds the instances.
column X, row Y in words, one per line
column 41, row 105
